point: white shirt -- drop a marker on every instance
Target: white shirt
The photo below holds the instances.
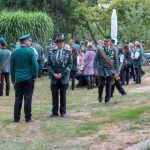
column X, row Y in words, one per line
column 121, row 58
column 59, row 52
column 137, row 54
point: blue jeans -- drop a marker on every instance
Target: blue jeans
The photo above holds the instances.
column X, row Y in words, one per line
column 89, row 79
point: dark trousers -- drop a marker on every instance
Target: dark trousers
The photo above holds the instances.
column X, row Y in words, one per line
column 23, row 90
column 132, row 72
column 128, row 67
column 138, row 74
column 141, row 70
column 5, row 76
column 119, row 87
column 122, row 76
column 80, row 77
column 73, row 75
column 105, row 81
column 40, row 68
column 59, row 89
column 89, row 80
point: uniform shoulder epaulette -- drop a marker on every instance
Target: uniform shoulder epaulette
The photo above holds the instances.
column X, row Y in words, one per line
column 67, row 49
column 51, row 49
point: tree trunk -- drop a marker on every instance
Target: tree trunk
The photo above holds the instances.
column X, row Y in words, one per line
column 99, row 29
column 88, row 26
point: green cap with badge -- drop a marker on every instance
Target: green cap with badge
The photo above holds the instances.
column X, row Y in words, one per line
column 50, row 41
column 113, row 41
column 119, row 42
column 12, row 45
column 2, row 40
column 108, row 37
column 126, row 41
column 59, row 37
column 25, row 37
column 34, row 41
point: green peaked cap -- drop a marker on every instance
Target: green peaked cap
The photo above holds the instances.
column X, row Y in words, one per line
column 60, row 37
column 50, row 40
column 12, row 45
column 33, row 41
column 113, row 41
column 108, row 37
column 126, row 41
column 2, row 40
column 25, row 37
column 119, row 42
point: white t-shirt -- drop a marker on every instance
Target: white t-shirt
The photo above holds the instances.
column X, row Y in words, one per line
column 137, row 54
column 121, row 58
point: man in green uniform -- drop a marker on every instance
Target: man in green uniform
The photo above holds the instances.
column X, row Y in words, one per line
column 59, row 65
column 39, row 50
column 132, row 50
column 24, row 70
column 105, row 66
column 12, row 46
column 5, row 55
column 116, row 82
column 137, row 61
column 49, row 46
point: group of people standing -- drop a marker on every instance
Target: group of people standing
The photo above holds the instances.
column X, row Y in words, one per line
column 106, row 65
column 131, row 57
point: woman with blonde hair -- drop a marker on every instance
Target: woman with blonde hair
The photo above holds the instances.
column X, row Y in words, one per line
column 88, row 70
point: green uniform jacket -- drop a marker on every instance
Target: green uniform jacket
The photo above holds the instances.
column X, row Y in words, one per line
column 62, row 66
column 4, row 55
column 102, row 67
column 128, row 58
column 39, row 51
column 48, row 48
column 74, row 65
column 23, row 65
column 139, row 60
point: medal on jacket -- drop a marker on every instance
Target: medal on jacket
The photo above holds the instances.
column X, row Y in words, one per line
column 53, row 58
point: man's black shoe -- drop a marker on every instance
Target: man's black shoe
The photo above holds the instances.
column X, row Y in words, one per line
column 124, row 94
column 106, row 101
column 63, row 115
column 15, row 121
column 30, row 120
column 100, row 99
column 53, row 115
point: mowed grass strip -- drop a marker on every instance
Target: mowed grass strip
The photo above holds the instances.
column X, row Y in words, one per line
column 122, row 114
column 128, row 113
column 68, row 129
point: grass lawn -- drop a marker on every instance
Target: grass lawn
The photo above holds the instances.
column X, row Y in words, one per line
column 90, row 125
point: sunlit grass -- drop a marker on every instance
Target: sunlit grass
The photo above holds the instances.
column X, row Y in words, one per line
column 86, row 117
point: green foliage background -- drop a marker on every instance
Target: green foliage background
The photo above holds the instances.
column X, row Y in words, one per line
column 90, row 19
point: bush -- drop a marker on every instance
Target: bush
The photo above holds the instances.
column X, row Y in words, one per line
column 15, row 24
